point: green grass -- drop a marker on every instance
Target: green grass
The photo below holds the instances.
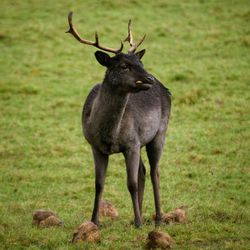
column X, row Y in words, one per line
column 200, row 50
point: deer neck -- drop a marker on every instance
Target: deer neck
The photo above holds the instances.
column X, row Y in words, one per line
column 108, row 111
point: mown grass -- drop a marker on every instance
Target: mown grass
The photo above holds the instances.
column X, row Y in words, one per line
column 198, row 49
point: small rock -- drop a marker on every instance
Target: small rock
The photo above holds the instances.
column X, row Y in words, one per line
column 158, row 239
column 40, row 215
column 51, row 221
column 107, row 209
column 87, row 231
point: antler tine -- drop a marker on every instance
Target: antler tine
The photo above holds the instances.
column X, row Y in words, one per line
column 129, row 39
column 72, row 30
column 141, row 41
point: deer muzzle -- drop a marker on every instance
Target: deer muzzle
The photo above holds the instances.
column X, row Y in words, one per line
column 146, row 83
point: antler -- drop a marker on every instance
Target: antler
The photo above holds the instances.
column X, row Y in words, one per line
column 96, row 44
column 129, row 39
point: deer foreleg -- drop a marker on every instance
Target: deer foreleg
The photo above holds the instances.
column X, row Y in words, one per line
column 101, row 163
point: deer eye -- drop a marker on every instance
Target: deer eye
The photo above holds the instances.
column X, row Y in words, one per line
column 124, row 66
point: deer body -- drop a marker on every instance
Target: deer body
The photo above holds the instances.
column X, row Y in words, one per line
column 114, row 123
column 127, row 111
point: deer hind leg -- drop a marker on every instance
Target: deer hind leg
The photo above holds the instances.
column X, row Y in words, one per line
column 101, row 163
column 154, row 151
column 141, row 184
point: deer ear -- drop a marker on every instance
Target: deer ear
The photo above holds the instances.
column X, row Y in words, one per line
column 140, row 54
column 103, row 58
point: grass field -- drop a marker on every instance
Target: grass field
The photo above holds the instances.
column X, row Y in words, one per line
column 200, row 50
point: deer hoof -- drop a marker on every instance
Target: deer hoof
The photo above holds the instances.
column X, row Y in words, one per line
column 138, row 224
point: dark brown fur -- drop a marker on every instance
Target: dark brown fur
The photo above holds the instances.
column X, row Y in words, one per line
column 128, row 111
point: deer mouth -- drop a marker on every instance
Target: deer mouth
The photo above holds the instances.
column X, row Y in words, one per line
column 143, row 85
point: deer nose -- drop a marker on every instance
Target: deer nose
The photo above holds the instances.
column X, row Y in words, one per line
column 150, row 78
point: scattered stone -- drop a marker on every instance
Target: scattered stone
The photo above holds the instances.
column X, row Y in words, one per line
column 158, row 239
column 108, row 210
column 87, row 231
column 43, row 218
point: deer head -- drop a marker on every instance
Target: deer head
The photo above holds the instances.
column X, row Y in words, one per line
column 125, row 72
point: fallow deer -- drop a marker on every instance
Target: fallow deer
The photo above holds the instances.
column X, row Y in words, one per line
column 130, row 109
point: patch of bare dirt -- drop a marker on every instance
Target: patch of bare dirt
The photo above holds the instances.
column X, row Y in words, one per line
column 43, row 218
column 108, row 210
column 159, row 239
column 87, row 231
column 178, row 215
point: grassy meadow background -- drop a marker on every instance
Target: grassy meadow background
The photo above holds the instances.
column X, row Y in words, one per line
column 200, row 50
